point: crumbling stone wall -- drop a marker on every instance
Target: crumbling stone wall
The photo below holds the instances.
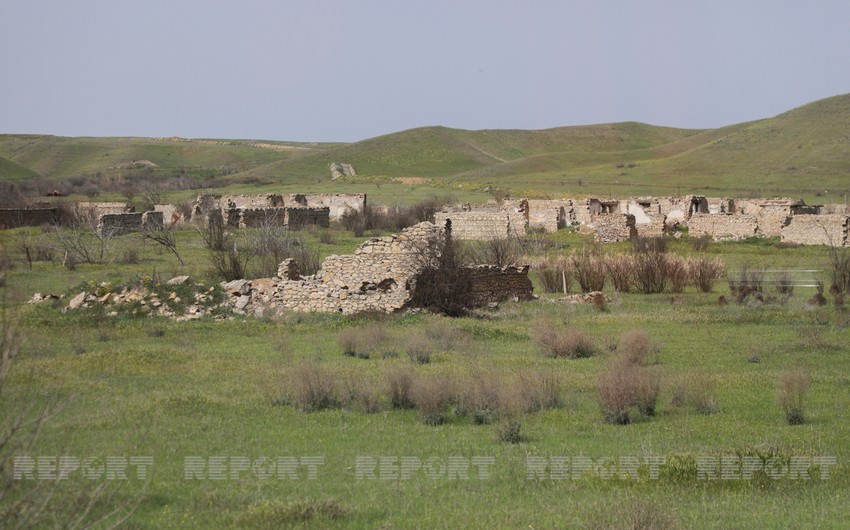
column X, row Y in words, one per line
column 337, row 203
column 614, row 227
column 253, row 217
column 270, row 200
column 94, row 210
column 723, row 227
column 549, row 214
column 17, row 217
column 829, row 229
column 170, row 215
column 656, row 227
column 380, row 276
column 483, row 225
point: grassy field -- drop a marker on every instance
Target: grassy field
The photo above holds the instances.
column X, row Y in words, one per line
column 801, row 153
column 177, row 390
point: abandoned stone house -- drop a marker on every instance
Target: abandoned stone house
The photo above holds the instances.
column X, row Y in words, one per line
column 292, row 210
column 114, row 224
column 382, row 275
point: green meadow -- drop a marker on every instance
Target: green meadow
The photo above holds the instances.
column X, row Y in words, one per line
column 229, row 394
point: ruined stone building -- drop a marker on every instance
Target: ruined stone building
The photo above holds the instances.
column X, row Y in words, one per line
column 382, row 275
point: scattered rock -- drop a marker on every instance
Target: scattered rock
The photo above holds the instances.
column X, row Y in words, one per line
column 77, row 301
column 177, row 280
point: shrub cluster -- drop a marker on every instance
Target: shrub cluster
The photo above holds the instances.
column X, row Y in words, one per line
column 628, row 383
column 557, row 341
column 643, row 272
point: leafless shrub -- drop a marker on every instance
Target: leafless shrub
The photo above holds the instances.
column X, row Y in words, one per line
column 647, row 386
column 271, row 243
column 163, row 236
column 784, row 284
column 696, row 390
column 362, row 395
column 651, row 271
column 399, row 381
column 483, row 396
column 500, row 252
column 326, row 237
column 554, row 275
column 635, row 346
column 616, row 390
column 748, row 281
column 509, row 429
column 589, row 270
column 313, row 387
column 538, row 390
column 215, row 235
column 793, row 386
column 704, row 271
column 419, row 348
column 701, row 243
column 644, row 245
column 446, row 337
column 83, row 243
column 619, row 269
column 432, row 396
column 677, row 271
column 130, row 256
column 561, row 342
column 352, row 342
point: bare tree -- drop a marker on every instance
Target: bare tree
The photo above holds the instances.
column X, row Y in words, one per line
column 162, row 235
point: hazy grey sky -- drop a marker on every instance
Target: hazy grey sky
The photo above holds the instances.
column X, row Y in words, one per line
column 348, row 70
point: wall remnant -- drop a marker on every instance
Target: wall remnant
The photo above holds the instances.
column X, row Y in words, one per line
column 614, row 227
column 723, row 227
column 17, row 217
column 828, row 229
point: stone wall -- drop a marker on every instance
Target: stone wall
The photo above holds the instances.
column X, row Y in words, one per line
column 614, row 227
column 16, row 217
column 122, row 223
column 298, row 218
column 170, row 215
column 380, row 276
column 654, row 228
column 483, row 225
column 723, row 227
column 490, row 284
column 118, row 223
column 829, row 229
column 337, row 203
column 96, row 209
column 270, row 200
column 253, row 217
column 549, row 215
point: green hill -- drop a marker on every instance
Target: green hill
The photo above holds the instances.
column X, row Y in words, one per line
column 12, row 170
column 803, row 153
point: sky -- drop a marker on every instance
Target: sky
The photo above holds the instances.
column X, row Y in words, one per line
column 347, row 70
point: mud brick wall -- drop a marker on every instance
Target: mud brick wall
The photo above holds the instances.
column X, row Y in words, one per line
column 15, row 217
column 723, row 227
column 494, row 284
column 118, row 223
column 297, row 218
column 614, row 227
column 830, row 229
column 253, row 217
column 152, row 219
